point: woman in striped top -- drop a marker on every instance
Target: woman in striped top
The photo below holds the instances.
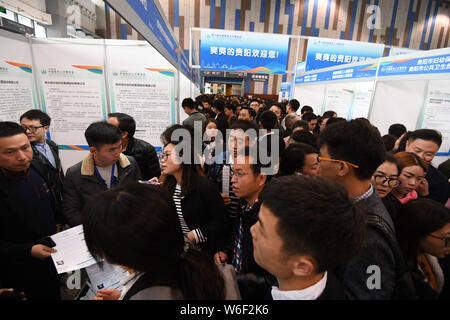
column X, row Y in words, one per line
column 200, row 208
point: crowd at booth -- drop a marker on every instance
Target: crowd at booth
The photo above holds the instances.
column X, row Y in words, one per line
column 273, row 202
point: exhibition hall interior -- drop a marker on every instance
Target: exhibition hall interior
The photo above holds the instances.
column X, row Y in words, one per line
column 241, row 150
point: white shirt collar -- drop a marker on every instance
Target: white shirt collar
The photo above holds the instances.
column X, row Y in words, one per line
column 310, row 293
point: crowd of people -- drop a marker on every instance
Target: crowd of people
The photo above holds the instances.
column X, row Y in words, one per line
column 274, row 202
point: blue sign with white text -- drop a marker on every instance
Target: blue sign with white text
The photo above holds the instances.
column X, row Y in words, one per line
column 325, row 53
column 357, row 72
column 243, row 51
column 415, row 66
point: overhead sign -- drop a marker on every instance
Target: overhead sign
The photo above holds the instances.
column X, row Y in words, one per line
column 243, row 51
column 260, row 77
column 355, row 72
column 236, row 74
column 208, row 73
column 415, row 66
column 325, row 53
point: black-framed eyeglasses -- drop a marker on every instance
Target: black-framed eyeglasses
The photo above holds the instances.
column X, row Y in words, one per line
column 446, row 240
column 32, row 128
column 164, row 156
column 392, row 182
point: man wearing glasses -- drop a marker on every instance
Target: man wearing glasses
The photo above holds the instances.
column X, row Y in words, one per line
column 350, row 152
column 45, row 152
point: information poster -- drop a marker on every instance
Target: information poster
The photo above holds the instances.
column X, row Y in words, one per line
column 141, row 88
column 72, row 90
column 361, row 100
column 17, row 89
column 338, row 98
column 146, row 95
column 437, row 112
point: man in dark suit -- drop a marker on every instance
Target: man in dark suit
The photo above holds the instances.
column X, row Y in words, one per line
column 26, row 216
column 45, row 152
column 286, row 242
column 218, row 107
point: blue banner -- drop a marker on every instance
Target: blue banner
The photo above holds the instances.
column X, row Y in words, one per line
column 356, row 72
column 243, row 51
column 415, row 66
column 325, row 53
column 150, row 15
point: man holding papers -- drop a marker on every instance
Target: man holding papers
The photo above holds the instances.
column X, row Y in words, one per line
column 104, row 168
column 26, row 218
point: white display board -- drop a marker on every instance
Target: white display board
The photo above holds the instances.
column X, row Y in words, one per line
column 312, row 96
column 436, row 114
column 141, row 87
column 397, row 102
column 72, row 88
column 17, row 89
column 363, row 92
column 185, row 92
column 339, row 98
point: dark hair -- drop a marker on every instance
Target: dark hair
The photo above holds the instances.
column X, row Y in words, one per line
column 306, row 109
column 392, row 159
column 396, row 130
column 281, row 107
column 251, row 112
column 188, row 103
column 389, row 142
column 402, row 143
column 219, row 105
column 304, row 136
column 244, row 125
column 335, row 120
column 329, row 114
column 137, row 226
column 209, row 113
column 309, row 116
column 301, row 123
column 317, row 218
column 293, row 158
column 357, row 142
column 9, row 129
column 189, row 170
column 126, row 123
column 34, row 114
column 101, row 133
column 427, row 134
column 294, row 104
column 231, row 106
column 414, row 221
column 268, row 120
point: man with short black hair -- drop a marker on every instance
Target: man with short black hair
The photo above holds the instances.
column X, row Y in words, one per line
column 397, row 130
column 425, row 143
column 305, row 109
column 104, row 168
column 218, row 107
column 27, row 216
column 143, row 152
column 350, row 152
column 247, row 113
column 45, row 152
column 286, row 242
column 255, row 105
column 191, row 110
column 311, row 118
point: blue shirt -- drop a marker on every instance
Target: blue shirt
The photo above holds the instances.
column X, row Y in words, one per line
column 44, row 148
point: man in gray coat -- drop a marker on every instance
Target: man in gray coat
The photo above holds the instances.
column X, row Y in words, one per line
column 350, row 153
column 191, row 110
column 104, row 168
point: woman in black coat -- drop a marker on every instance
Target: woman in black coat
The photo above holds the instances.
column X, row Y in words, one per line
column 201, row 210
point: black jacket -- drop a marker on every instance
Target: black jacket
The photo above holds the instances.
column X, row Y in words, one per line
column 438, row 185
column 222, row 123
column 20, row 230
column 53, row 176
column 203, row 208
column 81, row 183
column 146, row 157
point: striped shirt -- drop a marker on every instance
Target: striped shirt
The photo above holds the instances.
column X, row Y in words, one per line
column 199, row 237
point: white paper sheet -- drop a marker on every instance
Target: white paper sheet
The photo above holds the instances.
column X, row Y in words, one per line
column 72, row 252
